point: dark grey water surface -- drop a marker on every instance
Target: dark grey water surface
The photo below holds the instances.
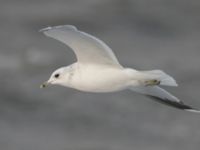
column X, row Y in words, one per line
column 144, row 34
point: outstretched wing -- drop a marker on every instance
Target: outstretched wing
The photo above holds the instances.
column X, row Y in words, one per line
column 160, row 95
column 88, row 49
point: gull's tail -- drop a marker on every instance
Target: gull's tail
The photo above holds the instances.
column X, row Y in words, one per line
column 164, row 78
column 160, row 95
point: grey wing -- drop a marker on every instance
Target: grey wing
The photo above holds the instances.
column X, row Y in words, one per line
column 88, row 49
column 160, row 95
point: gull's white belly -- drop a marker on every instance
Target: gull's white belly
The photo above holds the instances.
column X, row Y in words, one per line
column 100, row 79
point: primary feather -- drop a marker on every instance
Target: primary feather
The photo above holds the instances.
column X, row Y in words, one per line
column 162, row 96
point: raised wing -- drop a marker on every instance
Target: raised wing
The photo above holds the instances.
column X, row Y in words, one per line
column 88, row 49
column 160, row 95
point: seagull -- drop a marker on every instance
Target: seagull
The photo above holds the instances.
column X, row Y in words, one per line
column 98, row 70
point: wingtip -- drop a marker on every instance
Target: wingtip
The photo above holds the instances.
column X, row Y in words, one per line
column 57, row 27
column 192, row 110
column 45, row 29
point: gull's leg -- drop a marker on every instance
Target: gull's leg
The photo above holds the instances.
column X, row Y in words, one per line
column 152, row 82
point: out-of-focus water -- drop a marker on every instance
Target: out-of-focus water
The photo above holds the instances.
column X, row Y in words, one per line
column 144, row 34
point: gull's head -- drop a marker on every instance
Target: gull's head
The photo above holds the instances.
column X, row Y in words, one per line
column 57, row 77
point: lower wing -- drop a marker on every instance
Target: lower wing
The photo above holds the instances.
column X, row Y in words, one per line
column 160, row 95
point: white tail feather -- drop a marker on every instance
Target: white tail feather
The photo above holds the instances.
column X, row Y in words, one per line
column 164, row 78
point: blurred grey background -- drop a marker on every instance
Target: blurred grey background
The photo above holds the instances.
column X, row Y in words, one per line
column 144, row 34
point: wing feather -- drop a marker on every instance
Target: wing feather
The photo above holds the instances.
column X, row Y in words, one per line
column 162, row 96
column 88, row 49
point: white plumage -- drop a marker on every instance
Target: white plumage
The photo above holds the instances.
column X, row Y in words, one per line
column 98, row 70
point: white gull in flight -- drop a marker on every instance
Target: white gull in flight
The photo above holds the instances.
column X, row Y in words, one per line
column 98, row 70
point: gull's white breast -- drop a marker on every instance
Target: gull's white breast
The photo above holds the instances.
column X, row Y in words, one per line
column 97, row 78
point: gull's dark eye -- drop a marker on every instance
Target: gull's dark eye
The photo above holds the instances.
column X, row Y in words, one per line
column 56, row 75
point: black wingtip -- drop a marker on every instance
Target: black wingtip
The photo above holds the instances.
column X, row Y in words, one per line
column 178, row 105
column 193, row 110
